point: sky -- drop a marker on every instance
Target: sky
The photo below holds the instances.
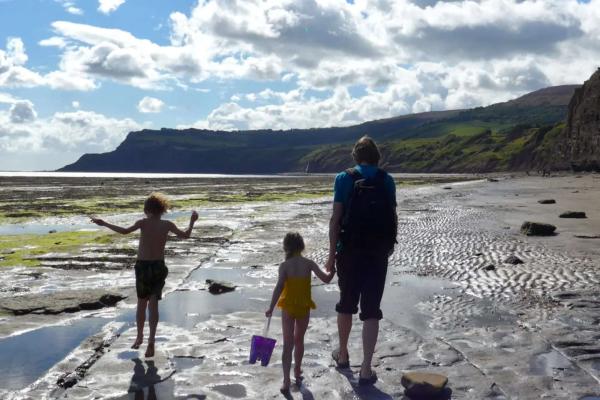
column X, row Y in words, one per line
column 77, row 75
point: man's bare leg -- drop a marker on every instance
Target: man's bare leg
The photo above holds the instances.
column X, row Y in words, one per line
column 344, row 322
column 370, row 332
column 153, row 323
column 140, row 320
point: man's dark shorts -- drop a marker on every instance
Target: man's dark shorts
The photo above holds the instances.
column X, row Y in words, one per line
column 150, row 278
column 361, row 278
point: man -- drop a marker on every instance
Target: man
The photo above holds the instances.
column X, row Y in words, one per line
column 362, row 234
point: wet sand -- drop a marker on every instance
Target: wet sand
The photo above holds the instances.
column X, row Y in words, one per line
column 452, row 305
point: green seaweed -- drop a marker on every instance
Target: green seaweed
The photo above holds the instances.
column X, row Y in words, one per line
column 22, row 249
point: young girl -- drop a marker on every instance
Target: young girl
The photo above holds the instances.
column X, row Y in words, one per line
column 293, row 292
column 150, row 268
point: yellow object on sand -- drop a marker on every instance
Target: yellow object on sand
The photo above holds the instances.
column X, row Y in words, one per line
column 296, row 298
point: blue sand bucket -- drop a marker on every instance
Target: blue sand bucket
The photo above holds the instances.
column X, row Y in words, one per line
column 261, row 347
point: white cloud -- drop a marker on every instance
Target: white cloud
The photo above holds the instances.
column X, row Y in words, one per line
column 74, row 10
column 75, row 104
column 14, row 74
column 22, row 131
column 109, row 6
column 150, row 105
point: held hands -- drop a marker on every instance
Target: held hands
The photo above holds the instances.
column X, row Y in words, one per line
column 194, row 216
column 330, row 264
column 269, row 313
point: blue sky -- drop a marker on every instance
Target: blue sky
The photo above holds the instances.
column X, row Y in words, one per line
column 77, row 75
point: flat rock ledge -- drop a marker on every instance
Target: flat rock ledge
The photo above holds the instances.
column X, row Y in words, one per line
column 63, row 302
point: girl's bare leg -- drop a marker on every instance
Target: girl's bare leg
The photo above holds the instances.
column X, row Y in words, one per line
column 153, row 322
column 140, row 320
column 287, row 325
column 299, row 331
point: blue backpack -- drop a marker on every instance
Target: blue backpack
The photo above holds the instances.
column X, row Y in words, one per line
column 369, row 220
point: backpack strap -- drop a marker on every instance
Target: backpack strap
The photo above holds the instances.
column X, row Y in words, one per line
column 354, row 174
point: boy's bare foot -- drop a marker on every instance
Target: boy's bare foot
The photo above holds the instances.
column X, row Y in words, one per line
column 150, row 350
column 137, row 343
column 285, row 389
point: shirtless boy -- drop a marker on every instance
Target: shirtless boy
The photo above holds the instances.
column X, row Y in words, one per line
column 150, row 268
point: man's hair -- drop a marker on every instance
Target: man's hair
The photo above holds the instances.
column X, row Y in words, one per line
column 365, row 151
column 292, row 244
column 156, row 204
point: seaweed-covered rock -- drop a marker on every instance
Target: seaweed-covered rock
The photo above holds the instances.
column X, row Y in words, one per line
column 218, row 287
column 573, row 214
column 537, row 229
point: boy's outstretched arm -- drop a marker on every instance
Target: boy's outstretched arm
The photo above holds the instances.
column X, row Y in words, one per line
column 187, row 233
column 324, row 276
column 116, row 228
column 277, row 291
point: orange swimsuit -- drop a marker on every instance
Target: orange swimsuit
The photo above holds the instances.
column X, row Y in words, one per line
column 296, row 298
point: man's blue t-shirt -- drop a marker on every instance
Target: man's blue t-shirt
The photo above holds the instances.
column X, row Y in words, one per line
column 342, row 189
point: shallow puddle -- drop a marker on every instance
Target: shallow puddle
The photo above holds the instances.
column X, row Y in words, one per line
column 24, row 358
column 546, row 364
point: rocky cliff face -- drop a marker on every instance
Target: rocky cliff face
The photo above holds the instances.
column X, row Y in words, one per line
column 580, row 142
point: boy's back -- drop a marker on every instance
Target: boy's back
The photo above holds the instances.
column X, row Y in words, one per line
column 154, row 233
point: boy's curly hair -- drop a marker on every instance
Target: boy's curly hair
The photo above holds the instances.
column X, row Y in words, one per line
column 156, row 204
column 293, row 244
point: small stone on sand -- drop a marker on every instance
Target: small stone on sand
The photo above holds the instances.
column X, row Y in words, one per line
column 547, row 201
column 514, row 260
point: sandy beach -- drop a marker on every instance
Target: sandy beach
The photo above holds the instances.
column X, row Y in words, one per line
column 452, row 305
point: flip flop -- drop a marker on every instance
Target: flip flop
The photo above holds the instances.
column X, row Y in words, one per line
column 368, row 381
column 336, row 357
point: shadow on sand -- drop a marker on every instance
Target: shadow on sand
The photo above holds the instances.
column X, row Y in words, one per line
column 364, row 392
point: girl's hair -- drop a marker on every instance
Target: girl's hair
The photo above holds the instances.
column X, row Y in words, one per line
column 156, row 204
column 292, row 244
column 365, row 151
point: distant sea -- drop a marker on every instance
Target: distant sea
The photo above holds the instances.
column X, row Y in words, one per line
column 140, row 175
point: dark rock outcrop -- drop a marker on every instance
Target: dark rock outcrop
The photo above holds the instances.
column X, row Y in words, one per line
column 580, row 142
column 573, row 214
column 547, row 201
column 537, row 229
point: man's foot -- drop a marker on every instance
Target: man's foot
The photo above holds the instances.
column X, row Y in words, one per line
column 368, row 379
column 298, row 377
column 149, row 350
column 285, row 388
column 340, row 362
column 138, row 341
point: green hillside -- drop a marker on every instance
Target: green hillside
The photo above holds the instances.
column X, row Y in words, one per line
column 506, row 136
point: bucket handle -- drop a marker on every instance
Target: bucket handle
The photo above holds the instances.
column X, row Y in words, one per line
column 267, row 325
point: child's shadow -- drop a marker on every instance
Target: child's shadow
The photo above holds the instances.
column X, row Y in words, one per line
column 369, row 392
column 143, row 378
